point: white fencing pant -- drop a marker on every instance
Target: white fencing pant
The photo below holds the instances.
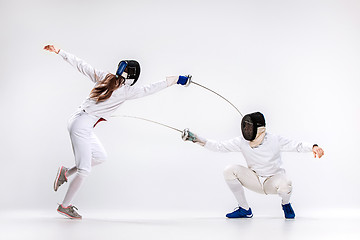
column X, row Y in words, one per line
column 237, row 177
column 88, row 151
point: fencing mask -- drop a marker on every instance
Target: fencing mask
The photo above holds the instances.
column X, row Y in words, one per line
column 130, row 70
column 250, row 123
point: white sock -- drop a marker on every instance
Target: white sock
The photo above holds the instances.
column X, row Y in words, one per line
column 74, row 187
column 238, row 190
column 285, row 198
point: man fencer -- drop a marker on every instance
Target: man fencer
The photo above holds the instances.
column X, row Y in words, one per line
column 261, row 151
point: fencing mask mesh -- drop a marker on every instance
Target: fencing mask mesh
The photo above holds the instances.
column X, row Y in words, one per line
column 250, row 123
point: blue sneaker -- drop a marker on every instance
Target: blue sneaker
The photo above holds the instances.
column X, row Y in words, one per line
column 240, row 213
column 288, row 211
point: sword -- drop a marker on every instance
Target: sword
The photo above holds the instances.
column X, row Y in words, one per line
column 173, row 128
column 191, row 81
column 148, row 120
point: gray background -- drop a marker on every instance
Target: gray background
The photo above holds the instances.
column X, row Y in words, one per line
column 295, row 61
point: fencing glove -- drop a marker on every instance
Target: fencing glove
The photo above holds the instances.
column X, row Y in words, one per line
column 189, row 136
column 182, row 80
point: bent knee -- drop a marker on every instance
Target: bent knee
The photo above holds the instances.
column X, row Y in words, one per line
column 83, row 172
column 99, row 157
column 285, row 187
column 231, row 172
column 96, row 161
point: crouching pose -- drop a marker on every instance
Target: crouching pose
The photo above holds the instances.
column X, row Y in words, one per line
column 261, row 151
column 109, row 92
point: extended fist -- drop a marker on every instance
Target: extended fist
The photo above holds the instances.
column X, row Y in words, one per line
column 184, row 80
column 186, row 135
column 51, row 48
column 318, row 151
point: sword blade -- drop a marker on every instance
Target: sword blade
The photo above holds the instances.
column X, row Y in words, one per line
column 148, row 120
column 218, row 95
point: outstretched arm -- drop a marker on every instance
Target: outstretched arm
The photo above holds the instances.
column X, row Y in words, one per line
column 289, row 145
column 95, row 75
column 232, row 145
column 142, row 91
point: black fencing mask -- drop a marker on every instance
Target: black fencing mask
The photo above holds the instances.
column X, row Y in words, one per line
column 250, row 123
column 129, row 69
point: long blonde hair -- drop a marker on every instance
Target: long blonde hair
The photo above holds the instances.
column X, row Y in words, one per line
column 106, row 87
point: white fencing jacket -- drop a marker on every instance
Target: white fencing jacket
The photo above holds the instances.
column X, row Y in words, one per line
column 105, row 108
column 265, row 159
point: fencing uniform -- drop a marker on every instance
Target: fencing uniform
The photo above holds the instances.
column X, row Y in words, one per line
column 88, row 150
column 264, row 173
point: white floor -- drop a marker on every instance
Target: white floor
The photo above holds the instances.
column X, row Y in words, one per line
column 50, row 225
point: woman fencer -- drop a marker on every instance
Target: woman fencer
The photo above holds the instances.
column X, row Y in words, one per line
column 109, row 92
column 261, row 151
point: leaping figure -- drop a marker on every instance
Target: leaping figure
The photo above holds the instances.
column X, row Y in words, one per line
column 109, row 93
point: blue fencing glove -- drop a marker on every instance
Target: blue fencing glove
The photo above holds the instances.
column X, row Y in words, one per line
column 184, row 80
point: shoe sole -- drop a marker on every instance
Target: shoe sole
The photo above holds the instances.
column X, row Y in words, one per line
column 246, row 216
column 68, row 216
column 57, row 179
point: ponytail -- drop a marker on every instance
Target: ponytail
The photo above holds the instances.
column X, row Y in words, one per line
column 106, row 87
